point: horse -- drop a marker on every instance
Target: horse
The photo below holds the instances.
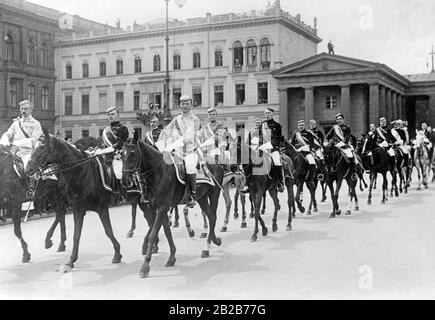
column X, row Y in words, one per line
column 421, row 160
column 378, row 162
column 338, row 170
column 302, row 174
column 145, row 166
column 402, row 168
column 80, row 177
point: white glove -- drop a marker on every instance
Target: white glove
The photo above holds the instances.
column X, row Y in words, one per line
column 266, row 146
column 384, row 144
column 304, row 148
column 255, row 141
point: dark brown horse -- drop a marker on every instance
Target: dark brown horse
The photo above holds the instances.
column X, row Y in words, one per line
column 145, row 166
column 80, row 177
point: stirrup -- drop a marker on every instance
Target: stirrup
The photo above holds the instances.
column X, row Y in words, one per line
column 245, row 190
column 280, row 187
column 320, row 177
column 354, row 176
column 191, row 203
column 30, row 194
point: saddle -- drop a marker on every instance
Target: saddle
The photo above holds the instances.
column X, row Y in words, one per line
column 180, row 169
column 18, row 166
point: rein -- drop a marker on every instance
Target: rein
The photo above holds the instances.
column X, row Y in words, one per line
column 138, row 162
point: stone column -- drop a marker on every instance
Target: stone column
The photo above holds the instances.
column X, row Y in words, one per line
column 394, row 105
column 345, row 103
column 404, row 108
column 374, row 104
column 388, row 108
column 431, row 120
column 284, row 112
column 309, row 104
column 399, row 106
column 382, row 104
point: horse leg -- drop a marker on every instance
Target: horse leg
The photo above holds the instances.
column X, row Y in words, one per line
column 133, row 220
column 263, row 208
column 419, row 178
column 252, row 215
column 228, row 203
column 50, row 232
column 105, row 220
column 274, row 194
column 204, row 233
column 243, row 201
column 372, row 181
column 61, row 217
column 16, row 217
column 177, row 217
column 206, row 208
column 384, row 187
column 336, row 194
column 236, row 205
column 290, row 202
column 299, row 187
column 334, row 200
column 187, row 221
column 168, row 234
column 257, row 204
column 324, row 186
column 79, row 216
column 145, row 268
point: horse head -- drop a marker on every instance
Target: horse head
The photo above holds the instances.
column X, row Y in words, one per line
column 130, row 160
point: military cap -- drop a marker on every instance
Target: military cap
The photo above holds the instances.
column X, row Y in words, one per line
column 185, row 98
column 154, row 118
column 212, row 109
column 338, row 115
column 270, row 109
column 23, row 103
column 301, row 122
column 258, row 119
column 110, row 109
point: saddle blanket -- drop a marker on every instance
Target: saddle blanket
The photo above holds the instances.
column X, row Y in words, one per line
column 391, row 152
column 262, row 165
column 201, row 176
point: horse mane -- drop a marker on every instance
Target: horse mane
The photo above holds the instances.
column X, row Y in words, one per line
column 71, row 149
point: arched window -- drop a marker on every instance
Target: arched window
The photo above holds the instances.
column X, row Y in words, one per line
column 156, row 62
column 238, row 56
column 119, row 66
column 177, row 61
column 218, row 58
column 10, row 46
column 251, row 49
column 85, row 69
column 30, row 52
column 265, row 54
column 137, row 64
column 68, row 71
column 44, row 55
column 196, row 60
column 102, row 68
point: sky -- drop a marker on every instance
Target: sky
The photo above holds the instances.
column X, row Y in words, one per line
column 398, row 33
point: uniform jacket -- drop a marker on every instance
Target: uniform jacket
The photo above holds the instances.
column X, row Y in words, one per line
column 152, row 136
column 338, row 133
column 23, row 134
column 115, row 135
column 303, row 138
column 271, row 131
column 320, row 137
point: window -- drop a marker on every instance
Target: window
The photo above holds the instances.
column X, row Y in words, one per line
column 218, row 95
column 30, row 53
column 265, row 54
column 177, row 61
column 85, row 68
column 331, row 102
column 85, row 103
column 10, row 52
column 252, row 55
column 156, row 62
column 196, row 60
column 119, row 67
column 13, row 93
column 85, row 133
column 155, row 100
column 119, row 100
column 197, row 96
column 68, row 105
column 103, row 69
column 263, row 97
column 44, row 55
column 68, row 71
column 136, row 100
column 137, row 65
column 45, row 97
column 240, row 94
column 238, row 56
column 218, row 58
column 139, row 132
column 176, row 95
column 102, row 102
column 32, row 93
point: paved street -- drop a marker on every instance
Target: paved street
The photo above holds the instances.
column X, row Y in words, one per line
column 382, row 251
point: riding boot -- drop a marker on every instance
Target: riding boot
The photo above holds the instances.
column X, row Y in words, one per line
column 191, row 185
column 280, row 178
column 30, row 194
column 122, row 191
column 248, row 172
column 352, row 165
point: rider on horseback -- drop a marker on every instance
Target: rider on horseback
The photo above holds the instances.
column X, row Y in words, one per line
column 152, row 136
column 181, row 136
column 341, row 135
column 211, row 137
column 384, row 137
column 22, row 136
column 402, row 139
column 305, row 142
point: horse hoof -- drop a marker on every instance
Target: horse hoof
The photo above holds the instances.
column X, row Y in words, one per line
column 217, row 241
column 243, row 225
column 302, row 210
column 144, row 271
column 192, row 234
column 406, row 191
column 176, row 225
column 315, row 210
column 48, row 244
column 308, row 213
column 332, row 216
column 262, row 212
column 155, row 250
column 383, row 201
column 26, row 258
column 236, row 216
column 117, row 259
column 62, row 248
column 204, row 235
column 254, row 238
column 170, row 263
column 323, row 199
column 205, row 254
column 293, row 215
column 356, row 209
column 129, row 235
column 348, row 212
column 224, row 229
column 418, row 189
column 251, row 216
column 289, row 228
column 265, row 231
column 338, row 212
column 274, row 228
column 66, row 268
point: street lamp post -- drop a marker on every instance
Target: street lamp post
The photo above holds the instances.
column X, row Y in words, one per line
column 167, row 111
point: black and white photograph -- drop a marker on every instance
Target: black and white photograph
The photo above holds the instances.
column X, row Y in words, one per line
column 201, row 150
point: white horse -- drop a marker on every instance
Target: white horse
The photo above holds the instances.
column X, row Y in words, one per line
column 421, row 158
